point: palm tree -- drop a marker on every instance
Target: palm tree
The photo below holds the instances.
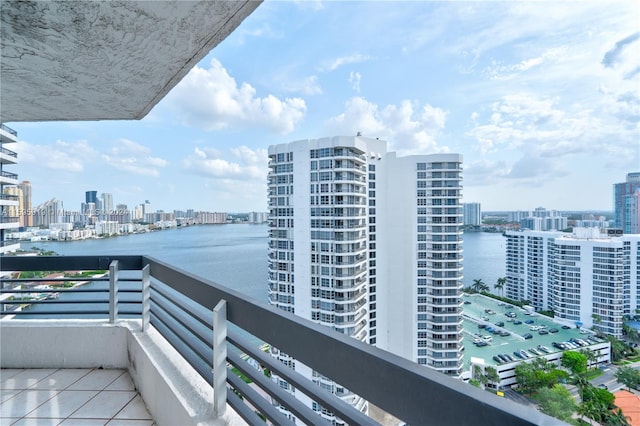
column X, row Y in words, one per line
column 499, row 285
column 478, row 285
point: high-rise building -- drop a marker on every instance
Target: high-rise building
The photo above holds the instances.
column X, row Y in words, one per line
column 472, row 214
column 8, row 201
column 107, row 204
column 91, row 197
column 26, row 218
column 588, row 278
column 626, row 204
column 368, row 244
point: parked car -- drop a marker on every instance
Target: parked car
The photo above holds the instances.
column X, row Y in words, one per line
column 529, row 321
column 517, row 322
column 527, row 336
column 565, row 327
column 543, row 331
column 500, row 324
column 553, row 330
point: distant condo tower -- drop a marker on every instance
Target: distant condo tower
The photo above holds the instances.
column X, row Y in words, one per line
column 626, row 198
column 369, row 244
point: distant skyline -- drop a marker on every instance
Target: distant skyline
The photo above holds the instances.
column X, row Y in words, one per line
column 541, row 98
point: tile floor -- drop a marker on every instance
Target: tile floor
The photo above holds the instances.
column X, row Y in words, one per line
column 83, row 397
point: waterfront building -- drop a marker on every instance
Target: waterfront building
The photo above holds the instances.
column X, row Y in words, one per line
column 9, row 202
column 517, row 216
column 472, row 214
column 542, row 219
column 368, row 244
column 626, row 204
column 107, row 205
column 589, row 278
column 51, row 211
column 91, row 197
column 26, row 218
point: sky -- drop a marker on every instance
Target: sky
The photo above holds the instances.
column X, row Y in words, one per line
column 542, row 99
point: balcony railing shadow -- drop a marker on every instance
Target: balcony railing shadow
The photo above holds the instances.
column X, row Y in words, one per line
column 183, row 308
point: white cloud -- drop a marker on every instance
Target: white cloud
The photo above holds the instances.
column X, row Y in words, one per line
column 306, row 85
column 212, row 99
column 336, row 63
column 62, row 155
column 407, row 127
column 249, row 165
column 549, row 137
column 500, row 71
column 354, row 81
column 133, row 158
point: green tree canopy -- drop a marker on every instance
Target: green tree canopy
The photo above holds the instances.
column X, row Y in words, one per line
column 628, row 376
column 576, row 362
column 557, row 402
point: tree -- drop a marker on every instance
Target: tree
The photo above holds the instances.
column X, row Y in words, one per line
column 492, row 375
column 499, row 285
column 478, row 285
column 581, row 382
column 591, row 356
column 557, row 402
column 479, row 376
column 617, row 418
column 575, row 362
column 630, row 332
column 537, row 374
column 628, row 376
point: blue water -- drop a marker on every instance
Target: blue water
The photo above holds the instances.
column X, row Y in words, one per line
column 236, row 255
column 232, row 255
column 484, row 257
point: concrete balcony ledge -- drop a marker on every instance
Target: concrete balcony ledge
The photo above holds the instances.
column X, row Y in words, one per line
column 174, row 393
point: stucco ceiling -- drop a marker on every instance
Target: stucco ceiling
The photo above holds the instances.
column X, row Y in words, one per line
column 103, row 60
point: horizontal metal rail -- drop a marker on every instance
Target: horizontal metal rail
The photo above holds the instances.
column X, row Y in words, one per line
column 412, row 393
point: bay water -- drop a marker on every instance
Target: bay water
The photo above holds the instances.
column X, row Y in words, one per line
column 235, row 255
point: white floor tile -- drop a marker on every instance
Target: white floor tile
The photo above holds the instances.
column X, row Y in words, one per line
column 84, row 422
column 136, row 409
column 8, row 394
column 37, row 422
column 24, row 402
column 7, row 421
column 116, row 422
column 26, row 378
column 105, row 405
column 123, row 382
column 96, row 380
column 63, row 404
column 61, row 379
column 6, row 373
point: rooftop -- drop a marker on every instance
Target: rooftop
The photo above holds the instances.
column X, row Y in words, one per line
column 474, row 312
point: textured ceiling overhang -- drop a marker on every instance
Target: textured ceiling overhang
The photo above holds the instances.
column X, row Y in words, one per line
column 103, row 60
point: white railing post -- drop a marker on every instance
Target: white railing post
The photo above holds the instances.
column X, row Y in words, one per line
column 146, row 297
column 219, row 359
column 113, row 292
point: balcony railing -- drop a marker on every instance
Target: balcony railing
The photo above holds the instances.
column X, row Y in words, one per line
column 8, row 175
column 8, row 129
column 182, row 307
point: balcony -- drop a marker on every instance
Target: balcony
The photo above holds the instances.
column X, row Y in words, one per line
column 168, row 329
column 7, row 156
column 7, row 178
